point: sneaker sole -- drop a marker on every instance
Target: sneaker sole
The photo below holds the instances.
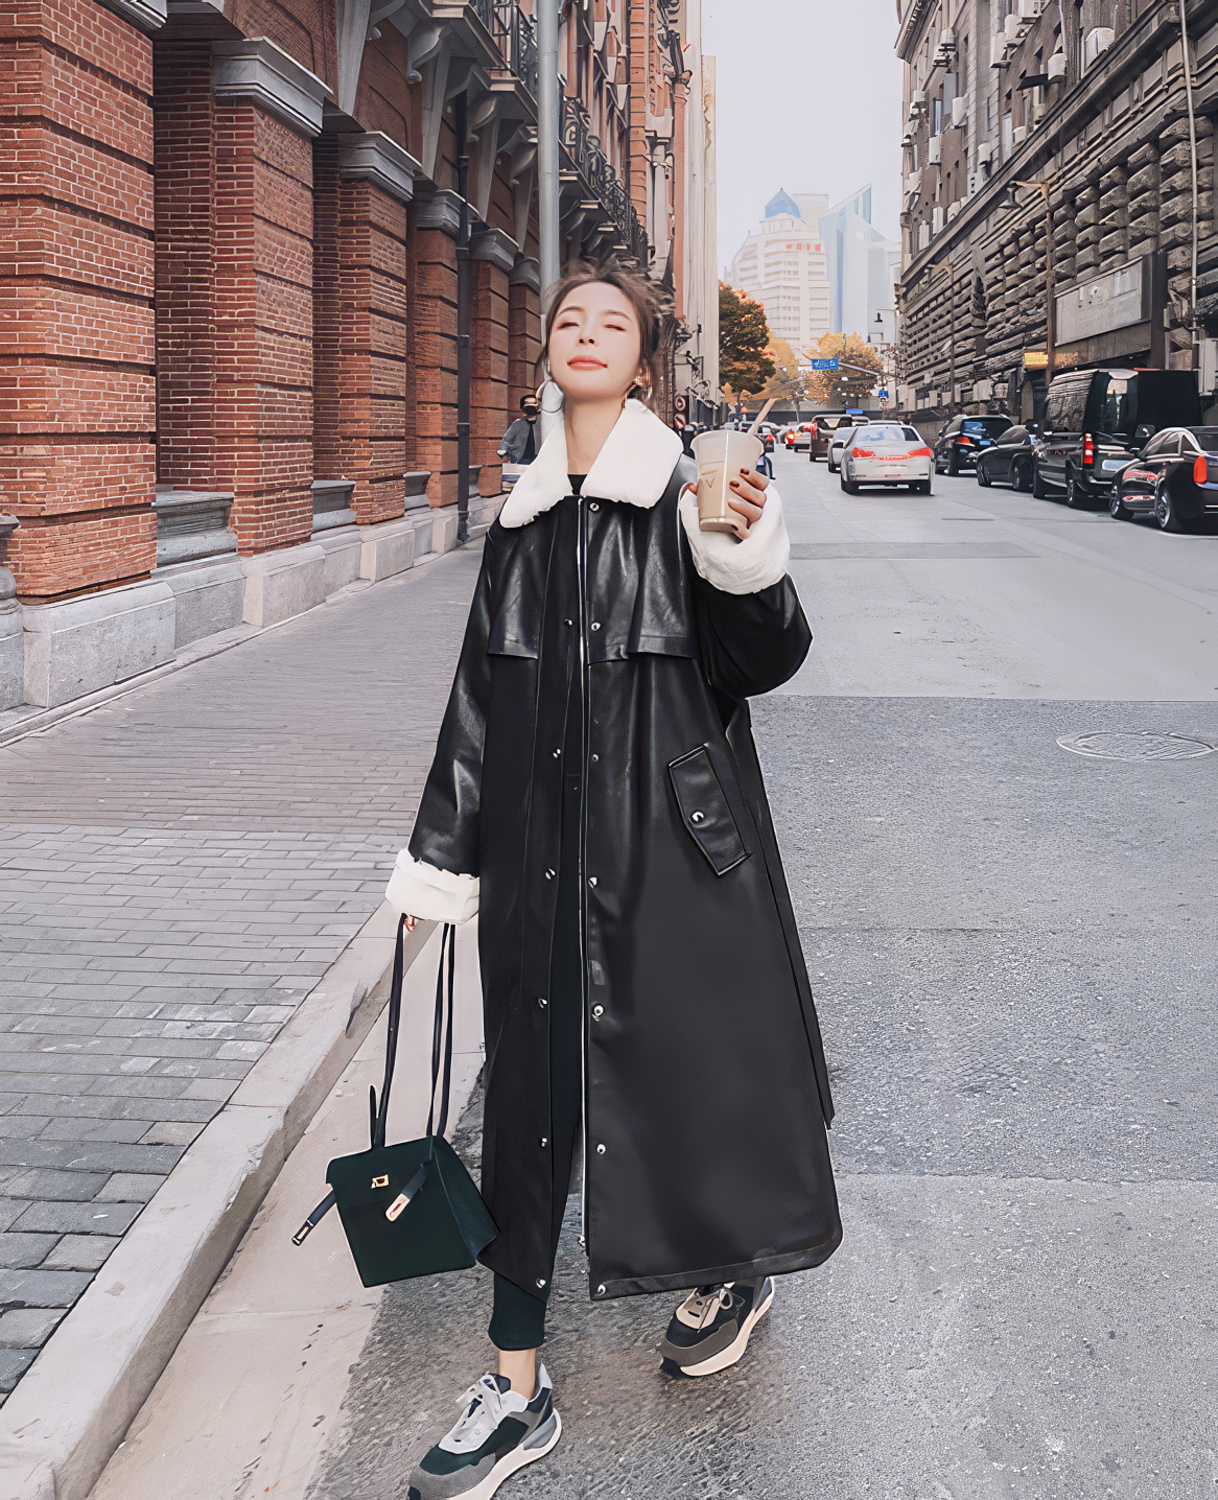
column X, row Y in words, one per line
column 512, row 1463
column 735, row 1350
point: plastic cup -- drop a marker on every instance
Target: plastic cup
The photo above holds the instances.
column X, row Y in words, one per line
column 720, row 456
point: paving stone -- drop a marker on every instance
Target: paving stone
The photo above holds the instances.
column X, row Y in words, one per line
column 78, row 1187
column 19, row 1251
column 41, row 1288
column 129, row 1187
column 77, row 1218
column 13, row 1365
column 28, row 1327
column 80, row 1252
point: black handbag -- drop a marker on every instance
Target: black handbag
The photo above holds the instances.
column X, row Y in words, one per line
column 410, row 1209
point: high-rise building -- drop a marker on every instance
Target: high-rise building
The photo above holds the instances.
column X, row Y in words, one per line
column 782, row 265
column 863, row 267
column 817, row 269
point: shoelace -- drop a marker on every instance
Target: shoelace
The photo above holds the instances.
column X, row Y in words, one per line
column 704, row 1302
column 475, row 1403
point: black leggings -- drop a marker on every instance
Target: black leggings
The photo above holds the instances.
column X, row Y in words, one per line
column 519, row 1317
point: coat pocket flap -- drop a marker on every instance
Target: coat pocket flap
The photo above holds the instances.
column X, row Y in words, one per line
column 705, row 812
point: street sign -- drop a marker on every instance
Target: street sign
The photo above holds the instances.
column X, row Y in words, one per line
column 823, row 364
column 883, row 394
column 681, row 405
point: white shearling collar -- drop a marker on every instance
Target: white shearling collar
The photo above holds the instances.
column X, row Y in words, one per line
column 634, row 466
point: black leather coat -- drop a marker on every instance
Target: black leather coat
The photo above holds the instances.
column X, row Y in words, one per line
column 706, row 1095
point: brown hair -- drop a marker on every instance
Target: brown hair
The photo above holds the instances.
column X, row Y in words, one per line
column 649, row 309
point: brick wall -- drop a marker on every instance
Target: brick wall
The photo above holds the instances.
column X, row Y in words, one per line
column 76, row 285
column 524, row 341
column 185, row 314
column 360, row 337
column 264, row 326
column 488, row 402
column 435, row 363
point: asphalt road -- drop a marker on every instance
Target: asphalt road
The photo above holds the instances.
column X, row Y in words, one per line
column 1013, row 950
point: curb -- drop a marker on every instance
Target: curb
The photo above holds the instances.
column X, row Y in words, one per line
column 71, row 1410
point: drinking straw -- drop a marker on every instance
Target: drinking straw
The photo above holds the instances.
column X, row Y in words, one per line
column 761, row 416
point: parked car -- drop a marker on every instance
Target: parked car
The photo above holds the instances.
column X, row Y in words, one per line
column 963, row 438
column 887, row 453
column 1174, row 479
column 820, row 435
column 1009, row 460
column 841, row 436
column 1097, row 422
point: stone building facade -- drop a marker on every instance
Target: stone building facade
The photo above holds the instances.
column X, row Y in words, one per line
column 1053, row 209
column 269, row 284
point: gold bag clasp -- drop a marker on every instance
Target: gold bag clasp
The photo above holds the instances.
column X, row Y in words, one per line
column 380, row 1182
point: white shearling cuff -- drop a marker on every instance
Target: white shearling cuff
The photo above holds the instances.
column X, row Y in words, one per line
column 740, row 567
column 433, row 894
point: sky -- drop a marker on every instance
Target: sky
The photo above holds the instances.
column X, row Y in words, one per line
column 809, row 99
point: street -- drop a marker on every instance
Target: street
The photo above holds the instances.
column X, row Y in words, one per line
column 1012, row 948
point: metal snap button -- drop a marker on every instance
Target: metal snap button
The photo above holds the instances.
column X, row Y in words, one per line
column 600, row 1150
column 600, row 1291
column 567, row 622
column 557, row 753
column 549, row 874
column 591, row 879
column 697, row 817
column 597, row 1012
column 595, row 758
column 542, row 1001
column 594, row 506
column 596, row 624
column 541, row 1281
column 545, row 1141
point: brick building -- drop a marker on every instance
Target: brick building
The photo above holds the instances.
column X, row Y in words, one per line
column 1050, row 190
column 269, row 283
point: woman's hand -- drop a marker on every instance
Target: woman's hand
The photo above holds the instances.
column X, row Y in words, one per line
column 750, row 491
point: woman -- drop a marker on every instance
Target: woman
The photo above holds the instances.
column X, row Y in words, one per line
column 596, row 796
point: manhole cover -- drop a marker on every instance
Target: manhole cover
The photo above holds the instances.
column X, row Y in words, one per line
column 1144, row 744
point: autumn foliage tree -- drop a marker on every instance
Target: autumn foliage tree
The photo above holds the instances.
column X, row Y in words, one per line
column 788, row 382
column 744, row 337
column 833, row 386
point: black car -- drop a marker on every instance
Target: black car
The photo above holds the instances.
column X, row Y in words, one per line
column 1096, row 421
column 1009, row 460
column 964, row 437
column 1174, row 479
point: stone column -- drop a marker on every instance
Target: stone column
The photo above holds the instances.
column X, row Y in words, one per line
column 524, row 330
column 76, row 285
column 268, row 108
column 437, row 222
column 12, row 650
column 363, row 183
column 493, row 254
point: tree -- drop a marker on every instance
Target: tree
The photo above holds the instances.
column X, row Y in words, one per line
column 847, row 386
column 744, row 337
column 788, row 382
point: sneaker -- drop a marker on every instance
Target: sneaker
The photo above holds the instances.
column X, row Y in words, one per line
column 711, row 1328
column 498, row 1432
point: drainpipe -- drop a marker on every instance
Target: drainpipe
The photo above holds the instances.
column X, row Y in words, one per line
column 547, row 182
column 464, row 312
column 1192, row 144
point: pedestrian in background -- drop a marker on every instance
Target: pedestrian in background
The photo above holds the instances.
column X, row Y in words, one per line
column 596, row 796
column 519, row 446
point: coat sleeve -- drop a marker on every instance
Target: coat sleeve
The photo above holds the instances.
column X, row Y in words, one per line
column 436, row 876
column 751, row 627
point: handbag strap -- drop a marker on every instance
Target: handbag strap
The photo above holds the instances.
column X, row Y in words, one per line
column 379, row 1111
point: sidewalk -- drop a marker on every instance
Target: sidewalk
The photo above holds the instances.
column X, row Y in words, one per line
column 178, row 870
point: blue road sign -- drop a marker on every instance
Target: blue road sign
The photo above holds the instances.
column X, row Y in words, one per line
column 824, row 364
column 883, row 394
